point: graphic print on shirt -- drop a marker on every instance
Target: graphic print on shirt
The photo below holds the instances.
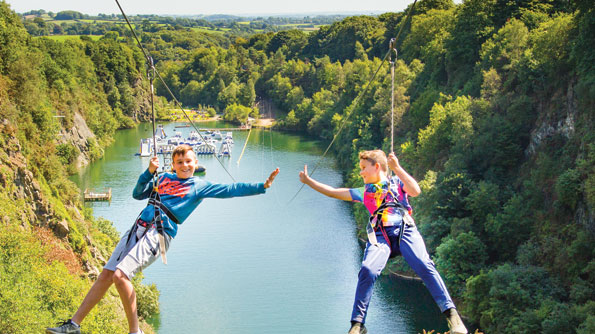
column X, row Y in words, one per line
column 174, row 188
column 372, row 195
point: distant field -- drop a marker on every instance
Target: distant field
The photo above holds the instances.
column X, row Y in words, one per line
column 99, row 21
column 302, row 26
column 67, row 37
column 209, row 30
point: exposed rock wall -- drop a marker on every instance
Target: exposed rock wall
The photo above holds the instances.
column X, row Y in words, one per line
column 78, row 135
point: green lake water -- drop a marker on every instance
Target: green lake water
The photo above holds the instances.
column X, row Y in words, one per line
column 259, row 264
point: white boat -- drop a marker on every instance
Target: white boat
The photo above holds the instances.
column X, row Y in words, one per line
column 217, row 135
column 205, row 148
column 228, row 138
column 146, row 147
column 193, row 136
column 225, row 149
column 161, row 141
column 160, row 132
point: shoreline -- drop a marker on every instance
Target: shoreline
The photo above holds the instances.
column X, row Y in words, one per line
column 260, row 123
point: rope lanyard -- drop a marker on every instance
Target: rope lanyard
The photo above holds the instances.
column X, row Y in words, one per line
column 392, row 48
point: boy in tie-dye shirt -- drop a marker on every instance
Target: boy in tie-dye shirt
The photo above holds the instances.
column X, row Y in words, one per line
column 387, row 240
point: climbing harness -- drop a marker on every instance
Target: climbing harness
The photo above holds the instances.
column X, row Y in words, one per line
column 157, row 222
column 155, row 200
column 357, row 98
column 375, row 220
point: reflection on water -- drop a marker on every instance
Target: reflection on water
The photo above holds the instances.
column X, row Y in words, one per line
column 259, row 264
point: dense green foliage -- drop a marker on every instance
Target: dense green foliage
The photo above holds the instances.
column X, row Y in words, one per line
column 494, row 116
column 50, row 245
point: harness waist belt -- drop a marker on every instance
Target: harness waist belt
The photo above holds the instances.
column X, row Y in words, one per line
column 376, row 217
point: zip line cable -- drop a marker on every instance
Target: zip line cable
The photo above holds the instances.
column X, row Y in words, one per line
column 149, row 60
column 357, row 98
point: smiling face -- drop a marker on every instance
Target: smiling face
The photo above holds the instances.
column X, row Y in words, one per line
column 184, row 164
column 370, row 172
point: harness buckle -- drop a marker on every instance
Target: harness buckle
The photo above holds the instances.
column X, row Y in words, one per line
column 144, row 224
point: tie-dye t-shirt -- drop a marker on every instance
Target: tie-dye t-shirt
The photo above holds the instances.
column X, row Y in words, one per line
column 372, row 194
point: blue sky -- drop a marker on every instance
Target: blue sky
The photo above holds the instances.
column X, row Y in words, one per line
column 192, row 7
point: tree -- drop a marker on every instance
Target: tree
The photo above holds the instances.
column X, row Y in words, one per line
column 338, row 40
column 294, row 40
column 450, row 125
column 473, row 26
column 236, row 113
column 189, row 95
column 459, row 258
column 505, row 51
column 503, row 297
column 247, row 94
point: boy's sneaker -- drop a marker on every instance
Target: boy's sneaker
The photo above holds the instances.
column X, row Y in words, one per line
column 455, row 324
column 67, row 327
column 357, row 328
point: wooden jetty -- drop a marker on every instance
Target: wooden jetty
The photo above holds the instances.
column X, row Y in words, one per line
column 95, row 196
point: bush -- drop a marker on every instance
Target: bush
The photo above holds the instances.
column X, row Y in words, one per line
column 568, row 188
column 502, row 297
column 147, row 297
column 459, row 258
column 67, row 153
column 35, row 294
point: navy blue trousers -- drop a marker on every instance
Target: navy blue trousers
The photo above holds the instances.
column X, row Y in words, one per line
column 415, row 254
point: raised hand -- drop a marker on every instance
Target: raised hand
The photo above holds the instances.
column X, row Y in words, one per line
column 153, row 165
column 393, row 161
column 304, row 177
column 271, row 178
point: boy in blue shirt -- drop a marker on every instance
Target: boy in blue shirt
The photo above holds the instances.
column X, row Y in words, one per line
column 178, row 194
column 391, row 232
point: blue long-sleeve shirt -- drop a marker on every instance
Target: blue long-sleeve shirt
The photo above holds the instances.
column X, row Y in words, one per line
column 182, row 196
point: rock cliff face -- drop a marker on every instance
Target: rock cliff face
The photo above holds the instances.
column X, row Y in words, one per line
column 78, row 135
column 33, row 205
column 19, row 183
column 554, row 120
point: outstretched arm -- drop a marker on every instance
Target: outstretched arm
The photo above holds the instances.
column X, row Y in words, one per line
column 409, row 183
column 325, row 189
column 216, row 190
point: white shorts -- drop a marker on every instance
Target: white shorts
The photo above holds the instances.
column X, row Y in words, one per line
column 133, row 255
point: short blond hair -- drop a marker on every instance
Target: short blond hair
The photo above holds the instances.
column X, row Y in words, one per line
column 375, row 156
